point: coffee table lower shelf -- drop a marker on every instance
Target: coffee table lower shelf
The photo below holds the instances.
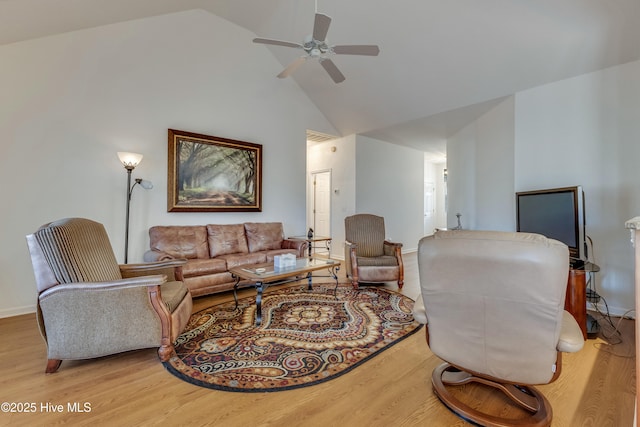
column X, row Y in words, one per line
column 264, row 275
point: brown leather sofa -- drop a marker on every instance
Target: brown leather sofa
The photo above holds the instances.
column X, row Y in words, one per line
column 212, row 250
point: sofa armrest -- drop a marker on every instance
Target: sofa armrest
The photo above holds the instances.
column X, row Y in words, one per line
column 171, row 268
column 154, row 256
column 301, row 246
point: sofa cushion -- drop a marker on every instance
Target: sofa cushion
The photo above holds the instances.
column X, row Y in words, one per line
column 236, row 260
column 226, row 239
column 201, row 267
column 272, row 253
column 180, row 241
column 264, row 236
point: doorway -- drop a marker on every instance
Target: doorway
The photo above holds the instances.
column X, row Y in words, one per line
column 429, row 208
column 320, row 206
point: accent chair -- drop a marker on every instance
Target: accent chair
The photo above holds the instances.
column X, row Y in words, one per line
column 89, row 306
column 493, row 304
column 369, row 257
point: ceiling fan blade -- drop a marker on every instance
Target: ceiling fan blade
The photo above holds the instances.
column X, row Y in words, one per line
column 357, row 49
column 292, row 67
column 321, row 27
column 277, row 42
column 333, row 71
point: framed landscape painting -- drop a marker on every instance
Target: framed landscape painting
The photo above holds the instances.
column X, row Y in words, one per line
column 212, row 174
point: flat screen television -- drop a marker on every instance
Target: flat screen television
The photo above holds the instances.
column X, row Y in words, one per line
column 557, row 213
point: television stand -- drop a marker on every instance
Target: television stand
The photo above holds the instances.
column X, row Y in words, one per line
column 576, row 264
column 576, row 298
column 593, row 327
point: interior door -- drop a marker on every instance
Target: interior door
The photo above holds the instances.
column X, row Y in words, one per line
column 429, row 208
column 321, row 203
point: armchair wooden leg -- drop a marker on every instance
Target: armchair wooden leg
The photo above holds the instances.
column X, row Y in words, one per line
column 400, row 284
column 165, row 351
column 355, row 278
column 166, row 345
column 52, row 365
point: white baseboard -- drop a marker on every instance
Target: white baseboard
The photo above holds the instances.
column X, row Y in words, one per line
column 17, row 311
column 613, row 311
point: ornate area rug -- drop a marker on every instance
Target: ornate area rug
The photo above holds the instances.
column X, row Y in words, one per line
column 306, row 337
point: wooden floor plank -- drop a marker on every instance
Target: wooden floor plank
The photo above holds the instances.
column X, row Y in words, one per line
column 596, row 388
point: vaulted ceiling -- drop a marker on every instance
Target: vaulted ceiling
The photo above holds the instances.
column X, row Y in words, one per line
column 442, row 63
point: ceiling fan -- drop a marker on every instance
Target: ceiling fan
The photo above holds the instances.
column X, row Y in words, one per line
column 316, row 46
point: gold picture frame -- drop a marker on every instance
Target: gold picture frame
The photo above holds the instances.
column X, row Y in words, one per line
column 212, row 174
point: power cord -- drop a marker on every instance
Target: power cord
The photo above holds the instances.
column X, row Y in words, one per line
column 612, row 334
column 608, row 347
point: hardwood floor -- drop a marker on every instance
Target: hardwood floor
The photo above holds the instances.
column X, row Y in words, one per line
column 596, row 388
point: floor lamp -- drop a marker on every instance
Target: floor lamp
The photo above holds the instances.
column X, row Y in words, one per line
column 130, row 161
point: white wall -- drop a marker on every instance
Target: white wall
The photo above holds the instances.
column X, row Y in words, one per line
column 372, row 176
column 341, row 163
column 70, row 102
column 586, row 131
column 390, row 183
column 461, row 176
column 480, row 163
column 495, row 199
column 580, row 131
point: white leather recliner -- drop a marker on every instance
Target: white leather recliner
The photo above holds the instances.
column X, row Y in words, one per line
column 493, row 304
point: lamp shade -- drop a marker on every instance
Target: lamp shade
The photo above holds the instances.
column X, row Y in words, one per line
column 129, row 160
column 147, row 185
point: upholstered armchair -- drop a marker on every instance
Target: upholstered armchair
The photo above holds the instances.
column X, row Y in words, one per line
column 89, row 306
column 368, row 256
column 493, row 305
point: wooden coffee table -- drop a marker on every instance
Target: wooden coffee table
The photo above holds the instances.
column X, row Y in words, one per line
column 264, row 275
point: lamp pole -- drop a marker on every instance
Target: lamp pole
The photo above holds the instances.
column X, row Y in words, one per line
column 129, row 169
column 130, row 161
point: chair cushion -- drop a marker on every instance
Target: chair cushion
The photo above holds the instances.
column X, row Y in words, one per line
column 226, row 239
column 379, row 261
column 264, row 236
column 172, row 294
column 78, row 250
column 185, row 241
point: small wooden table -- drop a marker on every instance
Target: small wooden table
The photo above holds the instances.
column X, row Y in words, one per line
column 576, row 298
column 311, row 240
column 264, row 275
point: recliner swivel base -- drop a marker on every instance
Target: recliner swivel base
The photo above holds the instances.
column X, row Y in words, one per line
column 527, row 397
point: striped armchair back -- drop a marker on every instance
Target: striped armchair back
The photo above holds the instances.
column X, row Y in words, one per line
column 78, row 250
column 367, row 231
